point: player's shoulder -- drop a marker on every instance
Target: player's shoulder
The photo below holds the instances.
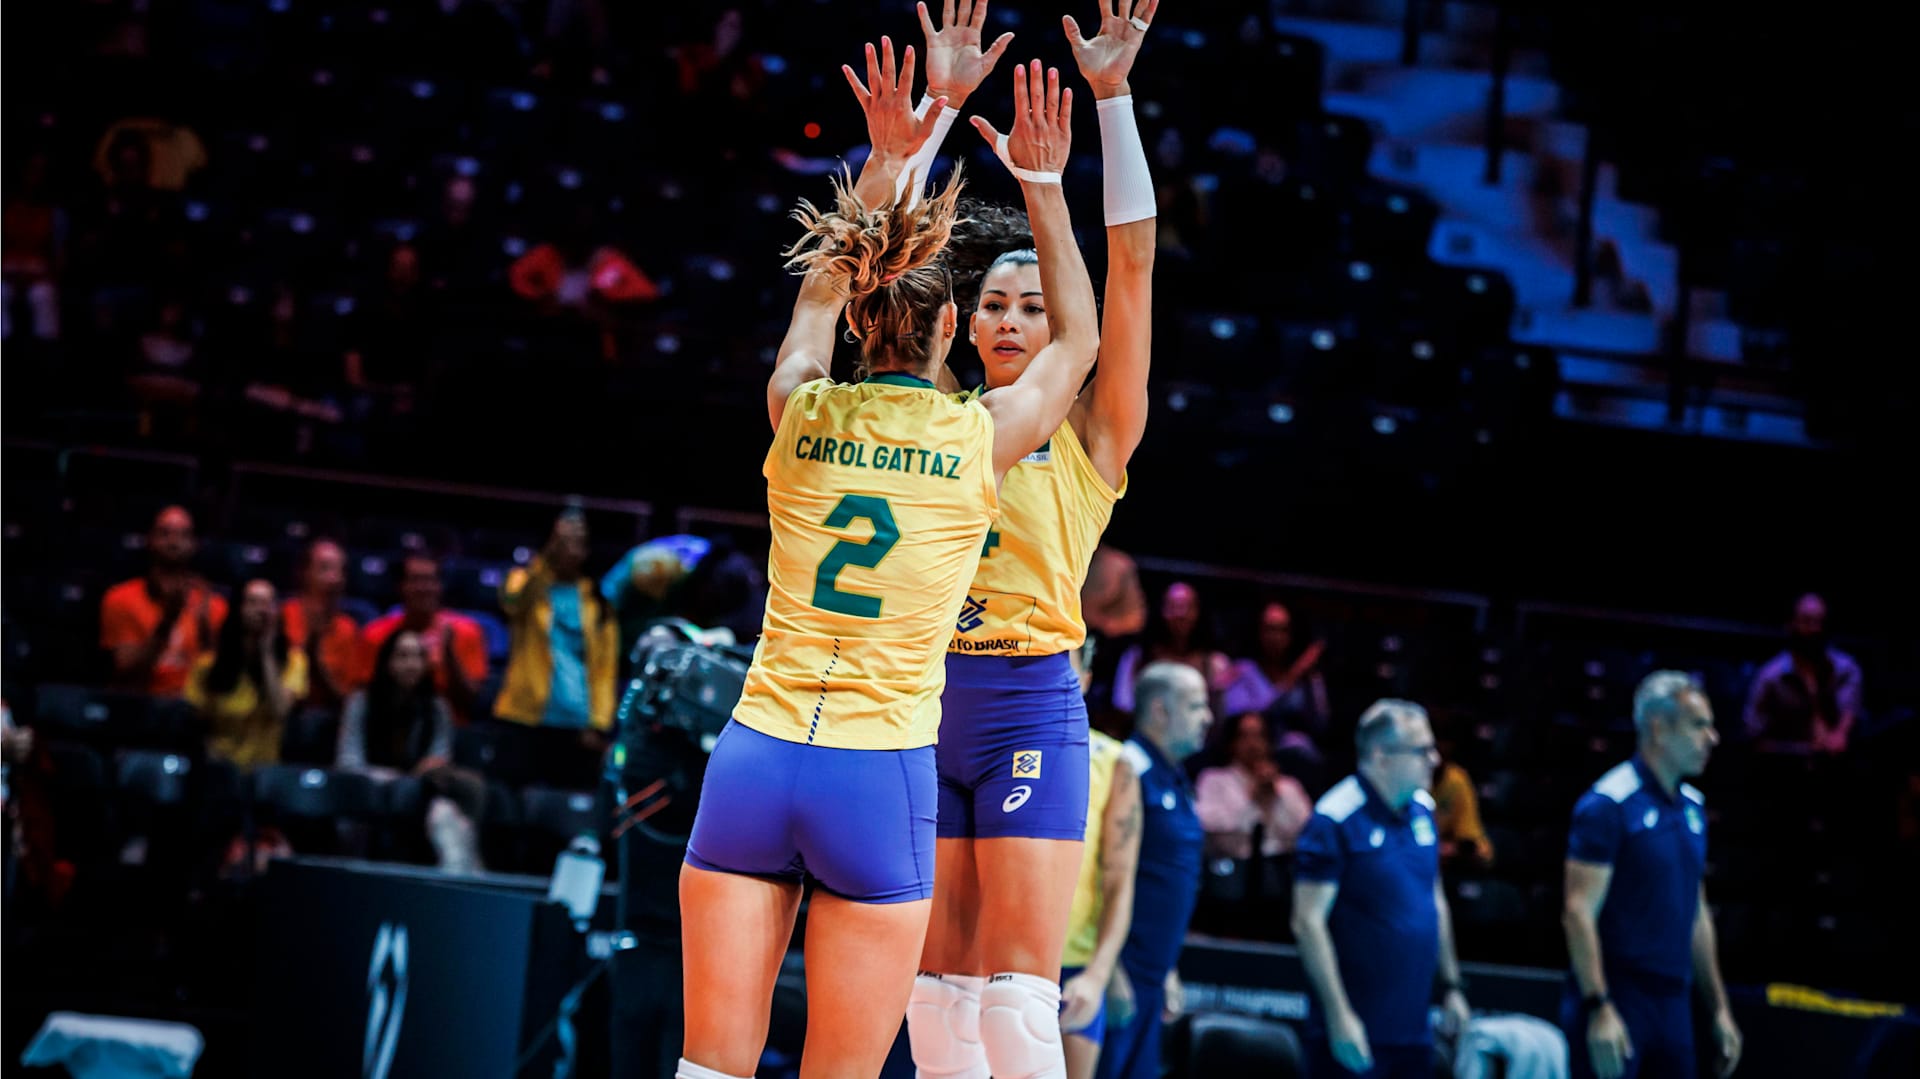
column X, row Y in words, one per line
column 1104, row 746
column 1136, row 758
column 1341, row 800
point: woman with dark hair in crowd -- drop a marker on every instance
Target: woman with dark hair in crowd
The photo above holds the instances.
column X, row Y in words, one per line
column 1011, row 838
column 827, row 769
column 398, row 726
column 1177, row 632
column 1282, row 682
column 246, row 687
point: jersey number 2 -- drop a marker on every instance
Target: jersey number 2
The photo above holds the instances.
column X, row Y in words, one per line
column 865, row 555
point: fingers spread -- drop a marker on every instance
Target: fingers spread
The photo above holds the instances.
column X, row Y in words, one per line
column 859, row 91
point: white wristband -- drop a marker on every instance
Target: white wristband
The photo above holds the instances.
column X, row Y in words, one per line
column 921, row 163
column 1028, row 175
column 1125, row 181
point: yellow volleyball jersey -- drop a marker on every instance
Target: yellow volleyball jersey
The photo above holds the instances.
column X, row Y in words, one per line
column 879, row 495
column 1083, row 926
column 1025, row 596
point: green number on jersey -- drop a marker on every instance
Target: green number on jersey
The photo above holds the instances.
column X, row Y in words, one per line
column 865, row 555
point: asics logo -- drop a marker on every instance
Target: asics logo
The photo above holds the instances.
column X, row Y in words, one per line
column 1017, row 799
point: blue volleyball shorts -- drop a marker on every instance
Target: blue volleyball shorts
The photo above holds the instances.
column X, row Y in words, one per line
column 859, row 822
column 1013, row 749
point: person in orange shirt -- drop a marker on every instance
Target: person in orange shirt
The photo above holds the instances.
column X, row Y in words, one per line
column 456, row 645
column 317, row 627
column 155, row 626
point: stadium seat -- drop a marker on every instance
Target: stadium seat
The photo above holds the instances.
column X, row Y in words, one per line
column 1204, row 1045
column 154, row 778
column 90, row 714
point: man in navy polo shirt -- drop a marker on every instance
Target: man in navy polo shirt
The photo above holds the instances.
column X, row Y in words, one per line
column 1368, row 912
column 1638, row 931
column 1171, row 716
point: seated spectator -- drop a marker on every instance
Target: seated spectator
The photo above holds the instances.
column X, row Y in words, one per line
column 32, row 249
column 398, row 726
column 156, row 626
column 559, row 685
column 1456, row 811
column 456, row 645
column 578, row 271
column 1807, row 698
column 1178, row 635
column 317, row 627
column 246, row 688
column 1282, row 683
column 1248, row 793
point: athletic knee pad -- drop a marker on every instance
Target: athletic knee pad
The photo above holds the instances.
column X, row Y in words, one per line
column 943, row 1027
column 687, row 1069
column 1020, row 1026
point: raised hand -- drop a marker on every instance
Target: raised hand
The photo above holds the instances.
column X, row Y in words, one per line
column 1106, row 58
column 956, row 65
column 887, row 99
column 1042, row 132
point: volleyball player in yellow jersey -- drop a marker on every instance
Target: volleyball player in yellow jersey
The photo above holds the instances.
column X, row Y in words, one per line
column 880, row 494
column 1013, row 752
column 1102, row 905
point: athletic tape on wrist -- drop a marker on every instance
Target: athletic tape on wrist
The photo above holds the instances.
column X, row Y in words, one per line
column 1027, row 175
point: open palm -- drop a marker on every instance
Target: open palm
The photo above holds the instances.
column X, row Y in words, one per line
column 956, row 65
column 1106, row 58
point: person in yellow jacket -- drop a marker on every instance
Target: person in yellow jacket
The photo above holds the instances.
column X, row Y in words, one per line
column 560, row 670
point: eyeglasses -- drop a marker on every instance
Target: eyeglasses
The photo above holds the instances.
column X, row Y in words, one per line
column 1428, row 750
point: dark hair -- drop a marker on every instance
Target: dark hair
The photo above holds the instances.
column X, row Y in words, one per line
column 230, row 657
column 982, row 237
column 888, row 260
column 399, row 725
column 1300, row 633
column 1157, row 633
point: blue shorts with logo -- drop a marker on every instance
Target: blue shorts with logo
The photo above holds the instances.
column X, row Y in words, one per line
column 858, row 821
column 1096, row 1029
column 1013, row 749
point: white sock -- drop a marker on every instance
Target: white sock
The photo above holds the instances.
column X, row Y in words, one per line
column 687, row 1069
column 943, row 1027
column 1020, row 1027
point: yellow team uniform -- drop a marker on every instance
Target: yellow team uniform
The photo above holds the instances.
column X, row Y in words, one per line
column 1025, row 596
column 880, row 495
column 1083, row 925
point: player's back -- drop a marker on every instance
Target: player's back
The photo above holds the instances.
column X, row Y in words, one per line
column 879, row 495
